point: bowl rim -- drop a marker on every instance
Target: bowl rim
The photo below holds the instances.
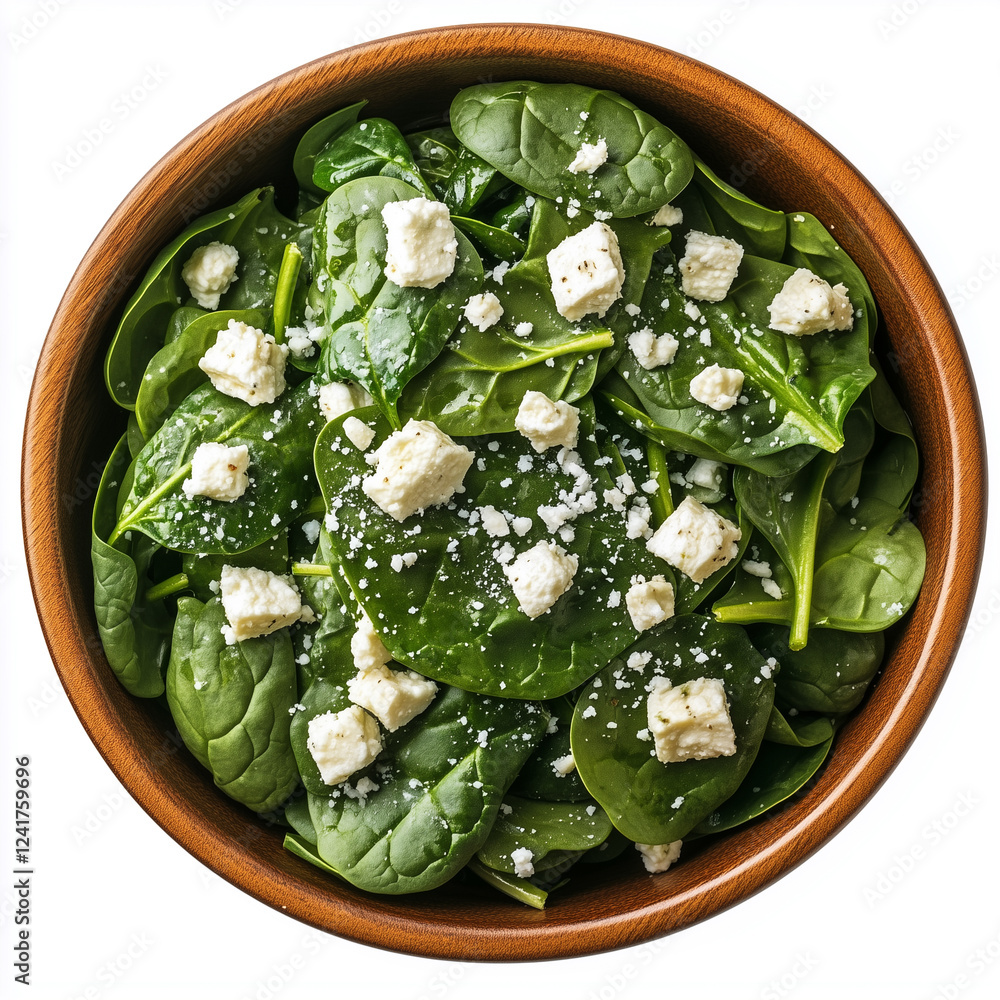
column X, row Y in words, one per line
column 767, row 849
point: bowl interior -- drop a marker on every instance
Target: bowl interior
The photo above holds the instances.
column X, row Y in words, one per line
column 749, row 141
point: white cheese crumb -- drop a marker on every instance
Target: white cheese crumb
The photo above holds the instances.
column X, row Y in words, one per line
column 343, row 743
column 652, row 351
column 367, row 648
column 649, row 602
column 338, row 398
column 659, row 857
column 359, row 433
column 246, row 363
column 483, row 310
column 696, row 540
column 587, row 272
column 394, row 697
column 209, row 272
column 546, row 423
column 522, row 858
column 540, row 576
column 667, row 215
column 422, row 247
column 807, row 304
column 691, row 721
column 256, row 602
column 218, row 472
column 717, row 387
column 709, row 265
column 589, row 157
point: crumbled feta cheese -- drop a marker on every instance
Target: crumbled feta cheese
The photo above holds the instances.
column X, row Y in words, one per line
column 691, row 721
column 564, row 765
column 667, row 215
column 586, row 271
column 367, row 648
column 771, row 588
column 218, row 472
column 652, row 351
column 709, row 265
column 483, row 310
column 343, row 743
column 659, row 857
column 494, row 523
column 417, row 467
column 524, row 329
column 246, row 363
column 649, row 602
column 522, row 858
column 589, row 157
column 209, row 272
column 301, row 342
column 807, row 304
column 256, row 602
column 394, row 697
column 338, row 398
column 706, row 473
column 359, row 433
column 696, row 540
column 637, row 519
column 521, row 526
column 545, row 423
column 717, row 387
column 758, row 569
column 540, row 576
column 422, row 247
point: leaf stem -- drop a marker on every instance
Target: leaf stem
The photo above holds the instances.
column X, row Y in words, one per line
column 288, row 275
column 661, row 501
column 311, row 569
column 172, row 585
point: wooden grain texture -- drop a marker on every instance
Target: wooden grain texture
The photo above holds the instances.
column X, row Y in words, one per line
column 411, row 78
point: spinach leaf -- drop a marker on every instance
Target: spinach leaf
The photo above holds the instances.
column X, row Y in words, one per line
column 649, row 801
column 710, row 205
column 231, row 704
column 315, row 139
column 280, row 438
column 532, row 132
column 452, row 615
column 173, row 372
column 133, row 433
column 458, row 177
column 868, row 569
column 297, row 815
column 777, row 774
column 383, row 334
column 786, row 510
column 307, row 850
column 831, row 674
column 372, row 148
column 254, row 227
column 491, row 239
column 539, row 779
column 135, row 633
column 891, row 472
column 797, row 390
column 479, row 380
column 439, row 787
column 179, row 321
column 798, row 730
column 554, row 832
column 844, row 481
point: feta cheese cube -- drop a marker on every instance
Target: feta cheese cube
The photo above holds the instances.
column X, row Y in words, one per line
column 564, row 765
column 690, row 722
column 343, row 743
column 667, row 215
column 696, row 540
column 246, row 363
column 706, row 473
column 417, row 467
column 649, row 602
column 338, row 398
column 422, row 247
column 717, row 387
column 652, row 351
column 394, row 697
column 545, row 423
column 659, row 857
column 540, row 576
column 494, row 523
column 709, row 265
column 256, row 602
column 483, row 310
column 218, row 471
column 808, row 304
column 367, row 648
column 589, row 157
column 523, row 858
column 209, row 272
column 587, row 272
column 359, row 433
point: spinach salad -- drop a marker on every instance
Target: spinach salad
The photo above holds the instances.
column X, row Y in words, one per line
column 523, row 491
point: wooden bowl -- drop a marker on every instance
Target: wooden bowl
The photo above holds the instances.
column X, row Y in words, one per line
column 71, row 427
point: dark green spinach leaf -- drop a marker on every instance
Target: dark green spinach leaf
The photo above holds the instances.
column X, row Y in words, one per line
column 314, row 141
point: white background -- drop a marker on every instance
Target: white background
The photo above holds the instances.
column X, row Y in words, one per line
column 902, row 903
